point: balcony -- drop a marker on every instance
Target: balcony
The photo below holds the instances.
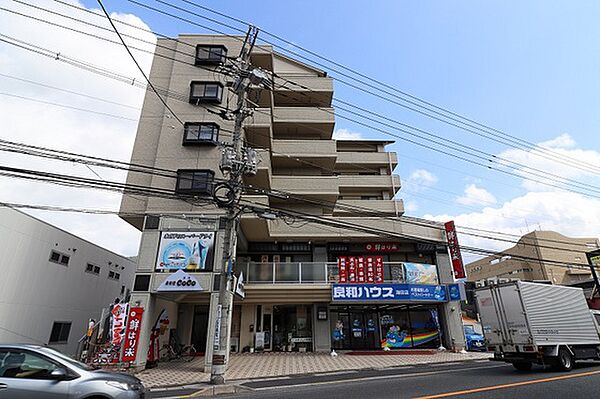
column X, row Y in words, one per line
column 386, row 207
column 304, row 91
column 253, row 227
column 304, row 272
column 318, row 187
column 260, row 117
column 356, row 160
column 309, row 122
column 320, row 153
column 376, row 182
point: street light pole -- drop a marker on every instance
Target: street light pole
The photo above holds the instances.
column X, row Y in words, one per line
column 237, row 162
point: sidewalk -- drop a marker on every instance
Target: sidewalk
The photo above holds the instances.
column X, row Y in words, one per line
column 261, row 365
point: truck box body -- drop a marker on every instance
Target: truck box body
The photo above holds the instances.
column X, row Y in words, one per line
column 521, row 314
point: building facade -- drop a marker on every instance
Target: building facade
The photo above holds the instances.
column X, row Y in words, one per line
column 568, row 255
column 53, row 282
column 308, row 286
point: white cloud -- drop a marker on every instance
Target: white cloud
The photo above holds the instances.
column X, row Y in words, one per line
column 474, row 195
column 563, row 146
column 421, row 178
column 345, row 134
column 411, row 206
column 66, row 129
column 567, row 213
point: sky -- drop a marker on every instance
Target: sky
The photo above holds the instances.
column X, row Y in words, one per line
column 528, row 69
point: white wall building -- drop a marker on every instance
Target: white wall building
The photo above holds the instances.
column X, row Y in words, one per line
column 52, row 282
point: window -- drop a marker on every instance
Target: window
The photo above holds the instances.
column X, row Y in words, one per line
column 15, row 363
column 59, row 258
column 142, row 282
column 205, row 92
column 210, row 55
column 60, row 332
column 113, row 275
column 117, row 276
column 92, row 269
column 200, row 133
column 194, row 181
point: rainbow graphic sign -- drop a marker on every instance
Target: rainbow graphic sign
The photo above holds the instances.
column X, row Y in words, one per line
column 401, row 339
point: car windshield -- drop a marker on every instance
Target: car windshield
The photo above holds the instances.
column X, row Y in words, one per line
column 469, row 330
column 66, row 358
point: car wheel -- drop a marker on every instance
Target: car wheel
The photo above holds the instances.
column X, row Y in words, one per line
column 522, row 366
column 564, row 361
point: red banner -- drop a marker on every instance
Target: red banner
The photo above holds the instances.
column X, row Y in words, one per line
column 382, row 247
column 132, row 334
column 457, row 263
column 351, row 269
column 378, row 269
column 370, row 269
column 360, row 269
column 343, row 269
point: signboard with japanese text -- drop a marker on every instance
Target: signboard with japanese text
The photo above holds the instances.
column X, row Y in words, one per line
column 370, row 269
column 360, row 269
column 379, row 275
column 420, row 273
column 351, row 269
column 132, row 334
column 186, row 250
column 388, row 292
column 343, row 269
column 382, row 247
column 455, row 256
column 180, row 281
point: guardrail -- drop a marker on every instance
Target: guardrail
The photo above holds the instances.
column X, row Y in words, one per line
column 306, row 272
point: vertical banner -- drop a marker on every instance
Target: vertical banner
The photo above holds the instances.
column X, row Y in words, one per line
column 360, row 269
column 351, row 269
column 117, row 328
column 370, row 269
column 132, row 334
column 217, row 337
column 343, row 269
column 457, row 263
column 378, row 269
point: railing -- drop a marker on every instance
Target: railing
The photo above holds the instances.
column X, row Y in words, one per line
column 306, row 272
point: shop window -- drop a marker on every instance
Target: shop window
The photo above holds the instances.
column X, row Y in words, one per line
column 201, row 133
column 194, row 181
column 210, row 54
column 201, row 92
column 60, row 332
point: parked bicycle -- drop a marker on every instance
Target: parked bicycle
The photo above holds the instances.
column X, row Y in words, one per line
column 171, row 351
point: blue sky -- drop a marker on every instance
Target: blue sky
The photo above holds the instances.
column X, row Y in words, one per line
column 527, row 68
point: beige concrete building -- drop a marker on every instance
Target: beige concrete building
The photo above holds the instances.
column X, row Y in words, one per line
column 290, row 266
column 538, row 247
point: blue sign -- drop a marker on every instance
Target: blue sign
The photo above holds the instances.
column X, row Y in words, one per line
column 388, row 292
column 454, row 291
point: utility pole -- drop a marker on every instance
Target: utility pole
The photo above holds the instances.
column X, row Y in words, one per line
column 236, row 161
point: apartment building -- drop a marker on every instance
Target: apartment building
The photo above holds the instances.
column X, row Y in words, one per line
column 301, row 288
column 549, row 256
column 53, row 282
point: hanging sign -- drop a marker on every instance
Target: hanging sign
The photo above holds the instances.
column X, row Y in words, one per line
column 132, row 334
column 239, row 286
column 379, row 275
column 178, row 282
column 352, row 269
column 342, row 269
column 370, row 269
column 360, row 269
column 455, row 256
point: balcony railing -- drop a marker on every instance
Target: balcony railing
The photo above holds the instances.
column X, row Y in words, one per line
column 306, row 272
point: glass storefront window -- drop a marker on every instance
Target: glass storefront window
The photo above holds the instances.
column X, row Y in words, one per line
column 292, row 328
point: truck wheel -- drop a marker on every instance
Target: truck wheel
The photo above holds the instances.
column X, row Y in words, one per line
column 522, row 366
column 564, row 361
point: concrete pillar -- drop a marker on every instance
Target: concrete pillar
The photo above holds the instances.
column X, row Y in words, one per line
column 210, row 336
column 321, row 333
column 450, row 312
column 148, row 302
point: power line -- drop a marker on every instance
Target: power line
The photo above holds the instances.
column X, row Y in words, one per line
column 461, row 119
column 138, row 65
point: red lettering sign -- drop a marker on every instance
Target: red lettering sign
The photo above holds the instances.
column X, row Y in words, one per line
column 360, row 269
column 378, row 269
column 343, row 269
column 370, row 269
column 352, row 269
column 457, row 263
column 132, row 334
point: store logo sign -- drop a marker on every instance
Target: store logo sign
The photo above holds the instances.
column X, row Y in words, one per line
column 180, row 281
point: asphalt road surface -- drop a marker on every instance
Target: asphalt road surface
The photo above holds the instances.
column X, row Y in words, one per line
column 469, row 380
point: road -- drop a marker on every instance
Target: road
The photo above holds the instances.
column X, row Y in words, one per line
column 469, row 380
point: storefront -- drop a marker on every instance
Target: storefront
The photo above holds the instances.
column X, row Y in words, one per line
column 385, row 326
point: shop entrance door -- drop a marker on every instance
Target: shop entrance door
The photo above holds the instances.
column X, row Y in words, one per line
column 200, row 328
column 364, row 332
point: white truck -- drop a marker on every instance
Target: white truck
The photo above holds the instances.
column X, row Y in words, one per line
column 526, row 323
